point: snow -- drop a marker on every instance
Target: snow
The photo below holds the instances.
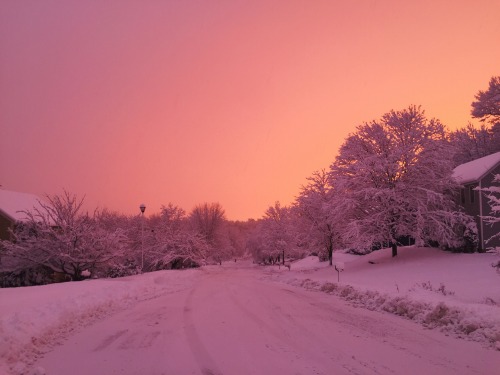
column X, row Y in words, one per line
column 13, row 203
column 35, row 320
column 415, row 284
column 474, row 170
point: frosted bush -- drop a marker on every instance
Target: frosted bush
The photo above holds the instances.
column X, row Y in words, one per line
column 309, row 284
column 347, row 291
column 489, row 301
column 328, row 287
column 468, row 328
column 441, row 315
column 428, row 286
column 404, row 307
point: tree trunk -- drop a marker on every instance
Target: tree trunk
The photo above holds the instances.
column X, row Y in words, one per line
column 283, row 256
column 394, row 247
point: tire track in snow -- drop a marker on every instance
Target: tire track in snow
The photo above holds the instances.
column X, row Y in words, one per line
column 110, row 340
column 198, row 349
column 285, row 324
column 139, row 340
column 281, row 326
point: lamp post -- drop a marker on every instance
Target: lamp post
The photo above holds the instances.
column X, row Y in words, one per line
column 143, row 208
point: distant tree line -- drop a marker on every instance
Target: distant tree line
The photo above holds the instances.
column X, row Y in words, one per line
column 59, row 241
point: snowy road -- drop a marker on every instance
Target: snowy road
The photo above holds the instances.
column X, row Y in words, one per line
column 234, row 322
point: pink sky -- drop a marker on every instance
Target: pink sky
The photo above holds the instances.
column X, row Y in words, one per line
column 235, row 102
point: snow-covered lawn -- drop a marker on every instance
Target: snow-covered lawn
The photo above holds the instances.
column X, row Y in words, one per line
column 457, row 293
column 34, row 319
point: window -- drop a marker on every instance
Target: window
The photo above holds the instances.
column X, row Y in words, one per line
column 462, row 196
column 471, row 193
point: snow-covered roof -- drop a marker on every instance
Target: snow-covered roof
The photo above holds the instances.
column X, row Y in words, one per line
column 13, row 203
column 475, row 170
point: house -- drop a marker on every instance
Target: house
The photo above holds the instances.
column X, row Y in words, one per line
column 474, row 176
column 13, row 206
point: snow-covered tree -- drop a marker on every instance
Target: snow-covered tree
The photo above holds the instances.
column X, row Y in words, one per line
column 394, row 177
column 486, row 107
column 472, row 142
column 59, row 236
column 237, row 233
column 208, row 219
column 112, row 220
column 170, row 242
column 173, row 216
column 493, row 195
column 278, row 233
column 319, row 225
column 256, row 244
column 475, row 142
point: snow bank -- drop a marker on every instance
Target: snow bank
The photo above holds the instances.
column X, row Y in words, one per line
column 456, row 293
column 34, row 319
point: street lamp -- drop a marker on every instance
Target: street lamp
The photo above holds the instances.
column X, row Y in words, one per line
column 142, row 208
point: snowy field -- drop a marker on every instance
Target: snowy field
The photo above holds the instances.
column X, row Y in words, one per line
column 458, row 294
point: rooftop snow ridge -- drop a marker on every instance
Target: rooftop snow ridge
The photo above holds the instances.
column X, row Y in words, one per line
column 475, row 170
column 13, row 204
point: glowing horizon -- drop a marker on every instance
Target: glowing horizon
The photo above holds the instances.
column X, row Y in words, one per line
column 234, row 102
